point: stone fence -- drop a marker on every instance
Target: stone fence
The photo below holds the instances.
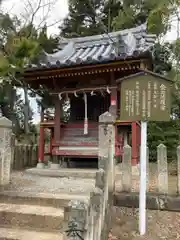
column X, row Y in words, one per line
column 24, row 156
column 162, row 177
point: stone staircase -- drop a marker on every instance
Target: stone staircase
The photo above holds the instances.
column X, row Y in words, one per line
column 71, row 136
column 33, row 216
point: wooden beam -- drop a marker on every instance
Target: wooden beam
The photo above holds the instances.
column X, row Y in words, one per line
column 85, row 69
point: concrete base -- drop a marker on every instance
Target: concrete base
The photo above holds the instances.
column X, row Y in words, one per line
column 54, row 166
column 154, row 201
column 40, row 165
column 49, row 164
column 136, row 170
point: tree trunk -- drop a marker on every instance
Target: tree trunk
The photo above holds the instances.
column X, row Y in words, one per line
column 26, row 111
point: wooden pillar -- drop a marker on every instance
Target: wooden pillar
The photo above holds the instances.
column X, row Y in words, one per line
column 57, row 120
column 41, row 139
column 134, row 143
column 113, row 102
column 51, row 140
column 113, row 98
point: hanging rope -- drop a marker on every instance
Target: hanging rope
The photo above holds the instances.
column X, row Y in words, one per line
column 82, row 90
column 92, row 92
column 85, row 115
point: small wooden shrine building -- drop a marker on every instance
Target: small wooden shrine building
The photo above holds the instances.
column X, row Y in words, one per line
column 84, row 71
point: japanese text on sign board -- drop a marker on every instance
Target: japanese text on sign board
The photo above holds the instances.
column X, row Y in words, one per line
column 145, row 99
column 149, row 99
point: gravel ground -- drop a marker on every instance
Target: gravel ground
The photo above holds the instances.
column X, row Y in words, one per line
column 24, row 182
column 161, row 225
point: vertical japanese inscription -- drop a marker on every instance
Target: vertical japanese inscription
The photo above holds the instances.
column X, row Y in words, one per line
column 126, row 101
column 163, row 97
column 137, row 99
column 130, row 102
column 149, row 100
column 155, row 94
column 144, row 103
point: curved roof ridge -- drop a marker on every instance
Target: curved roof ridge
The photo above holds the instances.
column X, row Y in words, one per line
column 61, row 55
column 140, row 28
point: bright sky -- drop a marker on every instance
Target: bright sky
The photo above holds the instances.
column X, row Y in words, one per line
column 55, row 14
column 58, row 11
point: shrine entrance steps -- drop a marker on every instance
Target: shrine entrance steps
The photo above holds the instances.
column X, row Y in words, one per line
column 24, row 217
column 33, row 209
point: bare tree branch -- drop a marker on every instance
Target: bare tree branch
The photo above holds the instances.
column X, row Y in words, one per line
column 43, row 8
column 49, row 25
column 46, row 16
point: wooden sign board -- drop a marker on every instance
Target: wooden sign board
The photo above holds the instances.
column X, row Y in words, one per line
column 145, row 97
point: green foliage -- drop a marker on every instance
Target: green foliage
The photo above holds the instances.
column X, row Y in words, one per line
column 87, row 17
column 156, row 13
column 19, row 46
column 81, row 20
column 49, row 44
column 164, row 132
column 162, row 61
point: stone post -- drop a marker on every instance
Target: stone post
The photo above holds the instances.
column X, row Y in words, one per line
column 34, row 155
column 127, row 169
column 5, row 150
column 13, row 140
column 106, row 134
column 162, row 169
column 75, row 220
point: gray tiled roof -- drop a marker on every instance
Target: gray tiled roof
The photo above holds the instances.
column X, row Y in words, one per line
column 100, row 48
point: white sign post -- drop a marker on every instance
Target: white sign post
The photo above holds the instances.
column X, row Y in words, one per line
column 143, row 179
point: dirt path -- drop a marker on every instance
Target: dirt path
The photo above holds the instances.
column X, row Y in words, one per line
column 161, row 225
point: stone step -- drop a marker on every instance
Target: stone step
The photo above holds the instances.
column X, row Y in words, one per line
column 22, row 234
column 64, row 172
column 73, row 140
column 40, row 199
column 29, row 216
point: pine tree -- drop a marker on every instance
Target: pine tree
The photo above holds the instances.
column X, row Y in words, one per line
column 156, row 13
column 84, row 18
column 111, row 9
column 48, row 44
